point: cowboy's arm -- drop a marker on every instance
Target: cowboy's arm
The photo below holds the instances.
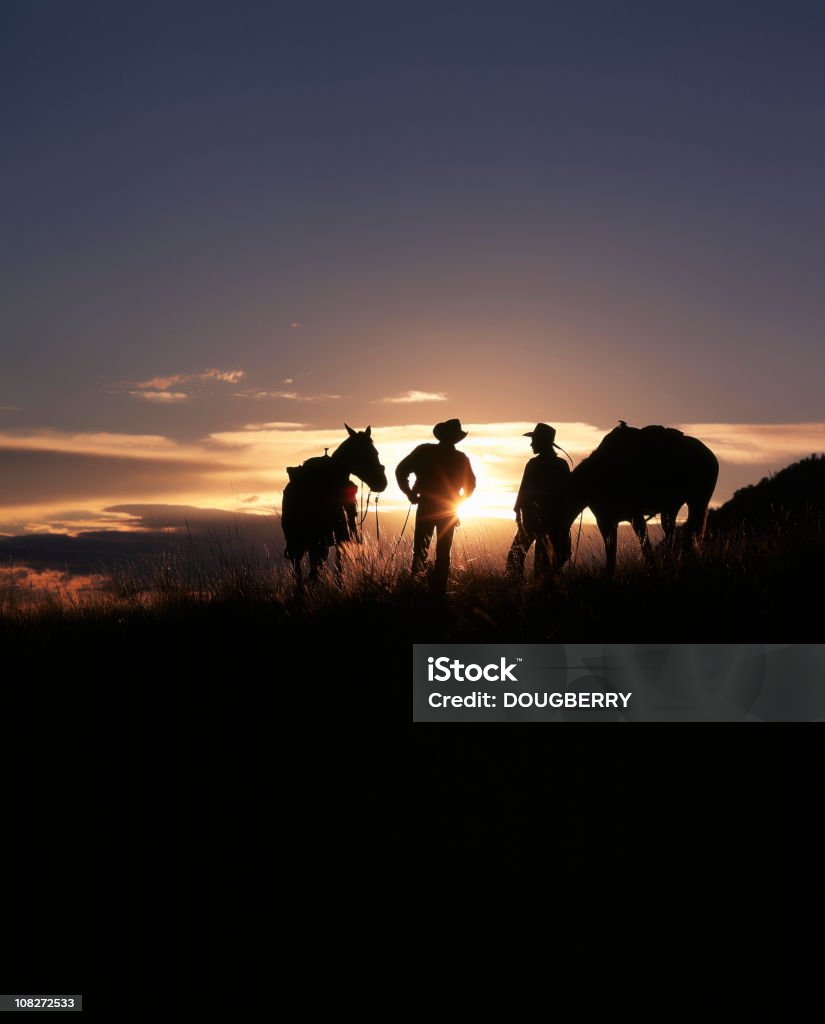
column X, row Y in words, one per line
column 402, row 474
column 521, row 497
column 526, row 496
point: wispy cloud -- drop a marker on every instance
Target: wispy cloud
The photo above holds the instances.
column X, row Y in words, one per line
column 228, row 376
column 162, row 383
column 122, row 446
column 275, row 425
column 290, row 396
column 178, row 379
column 8, row 408
column 759, row 443
column 160, row 396
column 408, row 397
column 176, row 387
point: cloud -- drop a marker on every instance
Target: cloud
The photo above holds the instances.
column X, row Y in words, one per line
column 163, row 383
column 275, row 425
column 41, row 478
column 8, row 408
column 759, row 443
column 290, row 396
column 160, row 389
column 296, row 323
column 154, row 446
column 408, row 397
column 229, row 376
column 160, row 396
column 45, row 473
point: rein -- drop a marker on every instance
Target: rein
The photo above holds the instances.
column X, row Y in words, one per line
column 366, row 511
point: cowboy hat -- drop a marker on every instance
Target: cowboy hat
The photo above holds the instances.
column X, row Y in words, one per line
column 449, row 431
column 544, row 432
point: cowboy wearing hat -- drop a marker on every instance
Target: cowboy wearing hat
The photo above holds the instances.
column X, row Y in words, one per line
column 443, row 478
column 541, row 508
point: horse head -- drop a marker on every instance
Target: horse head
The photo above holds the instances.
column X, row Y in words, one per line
column 360, row 457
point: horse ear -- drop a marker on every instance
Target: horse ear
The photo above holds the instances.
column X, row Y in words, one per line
column 368, row 431
column 350, row 431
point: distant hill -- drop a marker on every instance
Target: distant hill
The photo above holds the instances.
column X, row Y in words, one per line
column 797, row 491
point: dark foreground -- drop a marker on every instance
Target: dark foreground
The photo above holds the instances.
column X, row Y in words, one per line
column 196, row 785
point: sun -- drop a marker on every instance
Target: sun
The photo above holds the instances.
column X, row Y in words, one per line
column 486, row 505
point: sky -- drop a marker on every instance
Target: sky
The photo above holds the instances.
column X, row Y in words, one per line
column 230, row 228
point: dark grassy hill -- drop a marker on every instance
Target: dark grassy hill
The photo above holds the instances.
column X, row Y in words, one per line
column 795, row 493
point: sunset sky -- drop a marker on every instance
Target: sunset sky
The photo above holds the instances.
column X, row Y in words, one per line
column 228, row 228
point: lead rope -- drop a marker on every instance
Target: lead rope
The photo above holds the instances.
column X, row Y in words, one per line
column 365, row 511
column 581, row 514
column 401, row 535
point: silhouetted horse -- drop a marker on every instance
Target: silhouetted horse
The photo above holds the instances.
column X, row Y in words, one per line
column 636, row 473
column 319, row 507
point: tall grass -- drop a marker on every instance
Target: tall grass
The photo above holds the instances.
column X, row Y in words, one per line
column 744, row 576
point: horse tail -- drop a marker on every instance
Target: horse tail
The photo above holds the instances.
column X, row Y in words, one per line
column 288, row 517
column 707, row 473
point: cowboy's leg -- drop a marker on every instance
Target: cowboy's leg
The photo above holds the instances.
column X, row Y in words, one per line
column 422, row 536
column 444, row 542
column 518, row 551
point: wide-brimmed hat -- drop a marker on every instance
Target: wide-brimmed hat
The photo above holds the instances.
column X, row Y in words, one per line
column 449, row 431
column 544, row 432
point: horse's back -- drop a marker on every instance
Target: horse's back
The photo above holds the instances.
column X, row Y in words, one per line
column 647, row 470
column 313, row 509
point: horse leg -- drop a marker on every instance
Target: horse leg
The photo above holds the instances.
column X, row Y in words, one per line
column 317, row 560
column 295, row 556
column 640, row 526
column 344, row 534
column 562, row 549
column 609, row 532
column 695, row 525
column 340, row 547
column 542, row 556
column 669, row 527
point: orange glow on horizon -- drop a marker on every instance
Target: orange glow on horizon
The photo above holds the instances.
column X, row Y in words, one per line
column 244, row 470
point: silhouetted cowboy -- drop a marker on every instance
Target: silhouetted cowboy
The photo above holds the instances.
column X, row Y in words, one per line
column 443, row 477
column 541, row 508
